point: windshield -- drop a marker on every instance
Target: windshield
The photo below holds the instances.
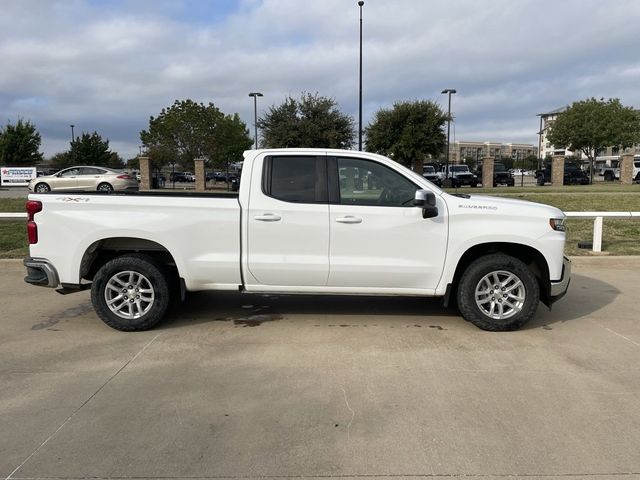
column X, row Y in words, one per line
column 429, row 169
column 459, row 168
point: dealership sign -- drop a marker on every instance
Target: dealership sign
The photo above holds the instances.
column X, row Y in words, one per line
column 17, row 175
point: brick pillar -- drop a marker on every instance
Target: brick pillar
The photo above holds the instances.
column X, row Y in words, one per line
column 487, row 172
column 626, row 169
column 201, row 178
column 145, row 173
column 557, row 171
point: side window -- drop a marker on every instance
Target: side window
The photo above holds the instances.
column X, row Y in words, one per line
column 72, row 172
column 91, row 171
column 363, row 182
column 297, row 179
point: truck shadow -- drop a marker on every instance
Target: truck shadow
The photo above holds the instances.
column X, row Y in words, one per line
column 586, row 295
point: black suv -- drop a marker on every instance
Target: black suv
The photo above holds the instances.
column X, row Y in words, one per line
column 573, row 175
column 501, row 176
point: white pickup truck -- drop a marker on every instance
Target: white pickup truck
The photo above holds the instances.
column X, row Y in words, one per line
column 304, row 221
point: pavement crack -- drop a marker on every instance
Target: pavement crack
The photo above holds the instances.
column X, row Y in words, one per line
column 126, row 364
column 353, row 414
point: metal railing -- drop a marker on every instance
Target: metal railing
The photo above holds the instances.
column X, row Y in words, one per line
column 598, row 222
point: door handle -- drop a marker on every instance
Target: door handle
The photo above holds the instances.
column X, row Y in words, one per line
column 268, row 217
column 349, row 219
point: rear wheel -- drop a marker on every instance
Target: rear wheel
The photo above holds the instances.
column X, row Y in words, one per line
column 105, row 187
column 42, row 188
column 608, row 176
column 498, row 292
column 540, row 180
column 131, row 293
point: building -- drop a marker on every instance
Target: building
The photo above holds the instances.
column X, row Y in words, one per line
column 545, row 147
column 472, row 153
column 604, row 157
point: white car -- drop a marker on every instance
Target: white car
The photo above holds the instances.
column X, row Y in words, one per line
column 84, row 178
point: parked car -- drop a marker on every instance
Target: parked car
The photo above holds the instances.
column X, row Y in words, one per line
column 429, row 172
column 460, row 175
column 84, row 178
column 501, row 176
column 182, row 177
column 573, row 175
column 305, row 221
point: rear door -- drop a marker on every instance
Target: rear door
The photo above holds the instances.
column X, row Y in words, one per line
column 288, row 221
column 89, row 178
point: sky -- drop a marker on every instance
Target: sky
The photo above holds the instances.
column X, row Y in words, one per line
column 108, row 65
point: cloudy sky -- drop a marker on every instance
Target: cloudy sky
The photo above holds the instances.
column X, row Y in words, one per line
column 107, row 65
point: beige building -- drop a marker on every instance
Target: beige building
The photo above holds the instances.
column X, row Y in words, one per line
column 545, row 147
column 472, row 153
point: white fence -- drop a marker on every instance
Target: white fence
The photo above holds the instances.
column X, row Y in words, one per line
column 597, row 222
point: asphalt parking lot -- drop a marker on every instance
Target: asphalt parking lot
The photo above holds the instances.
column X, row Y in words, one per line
column 285, row 387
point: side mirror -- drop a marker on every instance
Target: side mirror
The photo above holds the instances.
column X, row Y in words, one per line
column 427, row 201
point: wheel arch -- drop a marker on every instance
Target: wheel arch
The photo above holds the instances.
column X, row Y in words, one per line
column 534, row 260
column 103, row 250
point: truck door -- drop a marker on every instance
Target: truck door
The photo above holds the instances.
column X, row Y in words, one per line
column 288, row 221
column 378, row 238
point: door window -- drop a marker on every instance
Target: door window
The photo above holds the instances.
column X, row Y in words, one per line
column 297, row 179
column 363, row 182
column 72, row 172
column 91, row 171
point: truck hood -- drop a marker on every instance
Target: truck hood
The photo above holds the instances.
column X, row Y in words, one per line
column 502, row 205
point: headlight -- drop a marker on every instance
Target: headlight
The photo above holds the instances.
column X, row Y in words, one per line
column 558, row 224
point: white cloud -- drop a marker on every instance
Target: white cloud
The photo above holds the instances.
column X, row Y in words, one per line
column 108, row 66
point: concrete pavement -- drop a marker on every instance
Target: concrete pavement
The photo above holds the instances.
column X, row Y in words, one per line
column 260, row 386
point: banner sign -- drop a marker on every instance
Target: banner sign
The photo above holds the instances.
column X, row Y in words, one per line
column 14, row 176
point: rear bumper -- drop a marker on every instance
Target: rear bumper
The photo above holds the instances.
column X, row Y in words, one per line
column 41, row 272
column 559, row 288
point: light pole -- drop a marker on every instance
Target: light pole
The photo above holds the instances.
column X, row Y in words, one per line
column 360, row 4
column 72, row 137
column 448, row 91
column 255, row 96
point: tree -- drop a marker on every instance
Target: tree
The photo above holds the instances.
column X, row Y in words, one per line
column 591, row 125
column 408, row 133
column 20, row 144
column 312, row 121
column 188, row 130
column 61, row 160
column 90, row 149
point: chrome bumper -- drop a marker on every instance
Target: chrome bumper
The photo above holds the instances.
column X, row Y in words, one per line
column 558, row 289
column 41, row 272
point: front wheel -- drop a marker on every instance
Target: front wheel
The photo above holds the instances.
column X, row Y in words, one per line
column 609, row 176
column 498, row 292
column 130, row 293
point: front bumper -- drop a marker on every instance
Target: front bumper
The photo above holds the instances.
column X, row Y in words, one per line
column 559, row 288
column 41, row 272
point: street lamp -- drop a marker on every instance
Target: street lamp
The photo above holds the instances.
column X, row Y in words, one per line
column 72, row 137
column 448, row 91
column 255, row 96
column 360, row 4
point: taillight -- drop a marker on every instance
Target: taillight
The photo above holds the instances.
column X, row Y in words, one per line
column 33, row 207
column 124, row 177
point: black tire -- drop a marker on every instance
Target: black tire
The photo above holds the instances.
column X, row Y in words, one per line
column 514, row 281
column 609, row 176
column 540, row 180
column 105, row 187
column 42, row 188
column 148, row 293
column 637, row 179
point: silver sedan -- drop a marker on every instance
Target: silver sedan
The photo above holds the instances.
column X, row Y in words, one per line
column 82, row 178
